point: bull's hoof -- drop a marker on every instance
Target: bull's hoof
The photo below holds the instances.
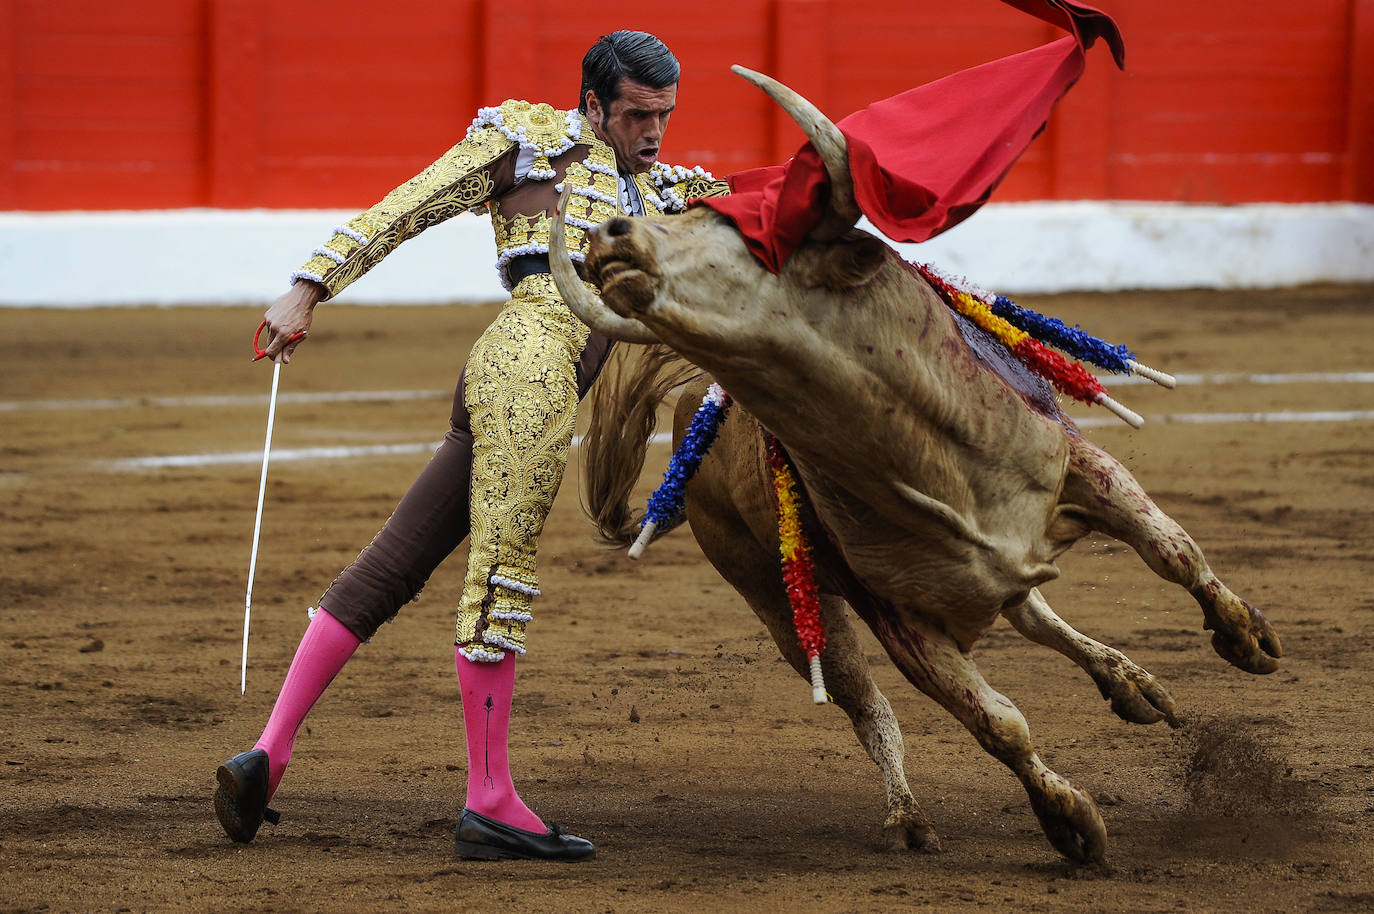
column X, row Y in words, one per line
column 1136, row 696
column 910, row 835
column 1255, row 648
column 1071, row 822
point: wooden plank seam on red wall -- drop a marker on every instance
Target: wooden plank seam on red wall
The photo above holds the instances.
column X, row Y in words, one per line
column 1360, row 103
column 9, row 198
column 234, row 57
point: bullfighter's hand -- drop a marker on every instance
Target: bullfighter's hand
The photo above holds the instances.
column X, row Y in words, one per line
column 289, row 318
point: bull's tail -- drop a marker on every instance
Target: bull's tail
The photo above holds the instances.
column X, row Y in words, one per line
column 624, row 414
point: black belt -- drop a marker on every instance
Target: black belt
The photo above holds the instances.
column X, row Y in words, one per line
column 517, row 268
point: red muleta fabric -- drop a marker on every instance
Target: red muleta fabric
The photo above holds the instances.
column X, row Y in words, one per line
column 927, row 159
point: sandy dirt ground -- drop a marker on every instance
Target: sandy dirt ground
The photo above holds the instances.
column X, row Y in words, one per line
column 652, row 714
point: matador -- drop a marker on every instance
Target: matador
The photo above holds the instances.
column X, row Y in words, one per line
column 503, row 458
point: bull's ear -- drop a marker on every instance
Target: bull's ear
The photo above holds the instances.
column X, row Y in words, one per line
column 848, row 263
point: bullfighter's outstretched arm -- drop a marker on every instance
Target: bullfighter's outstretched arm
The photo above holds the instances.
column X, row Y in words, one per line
column 471, row 173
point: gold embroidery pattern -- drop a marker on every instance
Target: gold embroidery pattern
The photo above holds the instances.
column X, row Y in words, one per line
column 456, row 182
column 601, row 203
column 594, row 190
column 520, row 230
column 667, row 189
column 540, row 128
column 521, row 375
column 654, row 205
column 522, row 403
column 699, row 186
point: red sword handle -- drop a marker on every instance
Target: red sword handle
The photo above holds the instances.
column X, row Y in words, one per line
column 260, row 353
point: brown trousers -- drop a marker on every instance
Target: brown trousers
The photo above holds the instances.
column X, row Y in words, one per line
column 430, row 522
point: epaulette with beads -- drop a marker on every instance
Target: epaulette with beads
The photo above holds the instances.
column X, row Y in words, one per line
column 539, row 128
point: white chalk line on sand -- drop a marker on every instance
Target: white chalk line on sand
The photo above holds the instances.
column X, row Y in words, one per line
column 1295, row 377
column 298, row 453
column 382, row 396
column 254, row 400
column 1350, row 415
column 390, row 450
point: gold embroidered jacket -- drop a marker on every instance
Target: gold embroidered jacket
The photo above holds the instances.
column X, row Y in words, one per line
column 559, row 147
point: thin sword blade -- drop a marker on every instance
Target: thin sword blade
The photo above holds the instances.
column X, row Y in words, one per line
column 257, row 526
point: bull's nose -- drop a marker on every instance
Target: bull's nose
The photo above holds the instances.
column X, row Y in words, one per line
column 616, row 227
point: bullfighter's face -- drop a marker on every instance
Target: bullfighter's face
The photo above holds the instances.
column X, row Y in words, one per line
column 633, row 125
column 689, row 280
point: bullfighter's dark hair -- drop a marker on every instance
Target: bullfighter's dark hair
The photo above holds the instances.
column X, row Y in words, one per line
column 637, row 56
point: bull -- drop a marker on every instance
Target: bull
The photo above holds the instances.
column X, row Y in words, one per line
column 941, row 486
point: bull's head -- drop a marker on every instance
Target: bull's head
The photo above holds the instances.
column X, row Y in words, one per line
column 690, row 282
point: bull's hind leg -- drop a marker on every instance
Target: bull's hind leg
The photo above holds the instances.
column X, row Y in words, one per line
column 751, row 567
column 1136, row 696
column 1108, row 498
column 931, row 659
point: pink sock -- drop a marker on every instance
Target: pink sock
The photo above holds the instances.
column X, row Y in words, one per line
column 323, row 651
column 487, row 689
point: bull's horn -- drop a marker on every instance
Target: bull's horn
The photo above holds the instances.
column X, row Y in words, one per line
column 843, row 211
column 584, row 304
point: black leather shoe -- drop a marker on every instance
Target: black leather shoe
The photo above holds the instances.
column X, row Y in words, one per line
column 241, row 798
column 480, row 838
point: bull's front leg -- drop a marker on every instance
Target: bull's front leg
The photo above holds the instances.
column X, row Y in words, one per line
column 1136, row 696
column 850, row 685
column 932, row 661
column 1102, row 493
column 730, row 487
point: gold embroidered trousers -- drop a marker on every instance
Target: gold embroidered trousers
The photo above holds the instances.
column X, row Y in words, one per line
column 522, row 394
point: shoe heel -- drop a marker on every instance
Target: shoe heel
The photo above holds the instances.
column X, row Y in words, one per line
column 225, row 778
column 472, row 851
column 240, row 796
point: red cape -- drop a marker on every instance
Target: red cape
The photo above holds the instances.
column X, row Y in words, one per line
column 925, row 160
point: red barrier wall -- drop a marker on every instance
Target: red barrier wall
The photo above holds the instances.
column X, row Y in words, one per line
column 292, row 103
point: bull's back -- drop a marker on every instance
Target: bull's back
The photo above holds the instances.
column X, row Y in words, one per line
column 944, row 406
column 938, row 427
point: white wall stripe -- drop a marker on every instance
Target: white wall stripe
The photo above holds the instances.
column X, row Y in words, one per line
column 1015, row 248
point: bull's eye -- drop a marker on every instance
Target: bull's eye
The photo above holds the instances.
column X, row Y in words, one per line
column 661, row 228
